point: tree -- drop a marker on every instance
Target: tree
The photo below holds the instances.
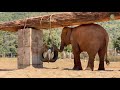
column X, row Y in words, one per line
column 116, row 44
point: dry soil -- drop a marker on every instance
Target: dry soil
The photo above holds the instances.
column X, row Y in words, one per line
column 62, row 68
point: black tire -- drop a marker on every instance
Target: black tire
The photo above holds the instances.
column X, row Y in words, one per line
column 41, row 56
column 46, row 59
column 55, row 56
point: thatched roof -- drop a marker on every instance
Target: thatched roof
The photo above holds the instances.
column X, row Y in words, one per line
column 59, row 20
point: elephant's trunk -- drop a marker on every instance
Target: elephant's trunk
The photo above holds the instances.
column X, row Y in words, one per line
column 61, row 48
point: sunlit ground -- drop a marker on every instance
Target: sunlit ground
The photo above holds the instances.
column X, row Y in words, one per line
column 62, row 68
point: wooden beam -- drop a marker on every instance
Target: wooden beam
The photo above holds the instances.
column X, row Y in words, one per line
column 58, row 20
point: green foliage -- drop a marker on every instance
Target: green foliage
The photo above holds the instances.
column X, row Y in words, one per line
column 8, row 40
column 113, row 29
column 9, row 44
column 68, row 48
column 116, row 43
column 54, row 37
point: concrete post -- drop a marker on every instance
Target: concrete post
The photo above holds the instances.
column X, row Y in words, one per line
column 29, row 46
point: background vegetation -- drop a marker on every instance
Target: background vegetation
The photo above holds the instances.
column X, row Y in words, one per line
column 8, row 40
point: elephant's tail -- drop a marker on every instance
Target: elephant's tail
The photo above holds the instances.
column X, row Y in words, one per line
column 107, row 61
column 106, row 46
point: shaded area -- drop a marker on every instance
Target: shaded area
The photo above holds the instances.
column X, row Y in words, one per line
column 50, row 68
column 8, row 69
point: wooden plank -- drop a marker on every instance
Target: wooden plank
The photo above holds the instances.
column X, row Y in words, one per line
column 59, row 20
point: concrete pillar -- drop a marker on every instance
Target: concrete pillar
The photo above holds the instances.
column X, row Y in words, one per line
column 29, row 46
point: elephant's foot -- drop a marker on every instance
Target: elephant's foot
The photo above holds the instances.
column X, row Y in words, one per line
column 101, row 68
column 77, row 68
column 88, row 68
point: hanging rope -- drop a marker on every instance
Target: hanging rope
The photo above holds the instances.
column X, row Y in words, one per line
column 50, row 53
column 41, row 21
column 25, row 23
column 50, row 31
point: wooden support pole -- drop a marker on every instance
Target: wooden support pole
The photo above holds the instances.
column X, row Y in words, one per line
column 29, row 46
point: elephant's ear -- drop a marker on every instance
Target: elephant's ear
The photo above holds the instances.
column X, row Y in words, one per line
column 63, row 34
column 65, row 37
column 68, row 35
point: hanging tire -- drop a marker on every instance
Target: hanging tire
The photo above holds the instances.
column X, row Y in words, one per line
column 45, row 59
column 42, row 56
column 55, row 56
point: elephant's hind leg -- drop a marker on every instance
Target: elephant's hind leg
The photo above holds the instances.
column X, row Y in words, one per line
column 90, row 65
column 101, row 54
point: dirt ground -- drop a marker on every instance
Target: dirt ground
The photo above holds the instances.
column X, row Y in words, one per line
column 62, row 68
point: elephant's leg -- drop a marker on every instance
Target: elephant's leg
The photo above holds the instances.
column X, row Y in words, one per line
column 90, row 65
column 101, row 54
column 77, row 62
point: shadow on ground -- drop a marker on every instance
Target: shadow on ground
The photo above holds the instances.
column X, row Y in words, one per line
column 50, row 68
column 8, row 69
column 70, row 69
column 86, row 70
column 104, row 70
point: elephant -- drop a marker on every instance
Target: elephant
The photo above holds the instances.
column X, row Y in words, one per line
column 91, row 38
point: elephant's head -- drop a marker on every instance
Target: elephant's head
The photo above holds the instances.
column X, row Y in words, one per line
column 65, row 38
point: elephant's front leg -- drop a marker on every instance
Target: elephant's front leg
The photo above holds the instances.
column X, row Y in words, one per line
column 77, row 62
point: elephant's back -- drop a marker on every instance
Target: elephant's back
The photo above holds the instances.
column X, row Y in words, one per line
column 90, row 27
column 90, row 35
column 90, row 30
